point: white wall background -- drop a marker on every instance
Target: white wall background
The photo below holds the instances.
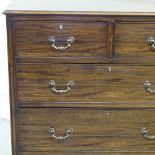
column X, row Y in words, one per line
column 4, row 91
column 5, row 142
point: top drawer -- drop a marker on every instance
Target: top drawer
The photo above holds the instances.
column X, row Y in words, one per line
column 34, row 39
column 135, row 42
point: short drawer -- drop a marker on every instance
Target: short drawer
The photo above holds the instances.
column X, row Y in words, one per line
column 86, row 130
column 61, row 39
column 84, row 82
column 133, row 42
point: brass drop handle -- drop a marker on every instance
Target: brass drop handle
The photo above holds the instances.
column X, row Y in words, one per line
column 147, row 87
column 68, row 87
column 52, row 41
column 145, row 134
column 151, row 42
column 67, row 134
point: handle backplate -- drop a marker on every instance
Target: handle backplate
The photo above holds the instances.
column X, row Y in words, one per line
column 151, row 42
column 60, row 138
column 147, row 87
column 52, row 84
column 52, row 41
column 145, row 134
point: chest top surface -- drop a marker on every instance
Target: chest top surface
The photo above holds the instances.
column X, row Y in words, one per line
column 143, row 7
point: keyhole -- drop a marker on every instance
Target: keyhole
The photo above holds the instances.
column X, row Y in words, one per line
column 61, row 26
column 107, row 113
column 109, row 69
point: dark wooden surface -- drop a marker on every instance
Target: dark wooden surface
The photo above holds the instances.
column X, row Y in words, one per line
column 95, row 42
column 87, row 153
column 32, row 39
column 106, row 109
column 93, row 82
column 12, row 87
column 94, row 129
column 131, row 42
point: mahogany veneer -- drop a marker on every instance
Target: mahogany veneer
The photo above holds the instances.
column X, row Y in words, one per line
column 100, row 84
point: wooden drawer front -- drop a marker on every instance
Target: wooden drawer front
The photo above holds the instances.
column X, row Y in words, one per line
column 32, row 39
column 93, row 130
column 86, row 153
column 131, row 42
column 93, row 82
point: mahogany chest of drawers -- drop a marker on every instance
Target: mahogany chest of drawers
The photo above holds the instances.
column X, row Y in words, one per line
column 81, row 83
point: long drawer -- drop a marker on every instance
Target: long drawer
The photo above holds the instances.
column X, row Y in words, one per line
column 86, row 153
column 74, row 130
column 84, row 82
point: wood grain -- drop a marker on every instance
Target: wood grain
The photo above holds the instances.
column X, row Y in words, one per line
column 106, row 109
column 94, row 129
column 75, row 104
column 110, row 39
column 32, row 39
column 86, row 153
column 82, row 17
column 131, row 42
column 93, row 83
column 11, row 68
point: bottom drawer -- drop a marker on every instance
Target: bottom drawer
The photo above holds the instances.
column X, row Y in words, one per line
column 88, row 153
column 97, row 130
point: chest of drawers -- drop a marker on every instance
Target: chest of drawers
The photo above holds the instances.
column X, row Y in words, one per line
column 82, row 82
